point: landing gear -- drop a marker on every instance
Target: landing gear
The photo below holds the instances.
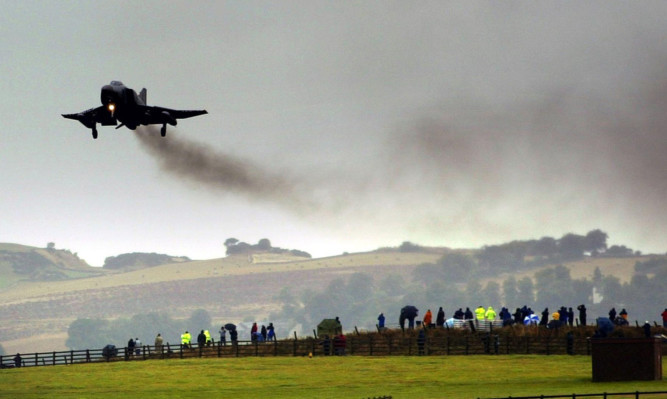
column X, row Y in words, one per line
column 163, row 131
column 94, row 133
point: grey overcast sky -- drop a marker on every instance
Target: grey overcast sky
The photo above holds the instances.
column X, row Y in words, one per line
column 335, row 126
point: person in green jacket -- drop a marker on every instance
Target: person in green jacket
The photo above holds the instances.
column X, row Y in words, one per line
column 480, row 313
column 490, row 313
column 185, row 339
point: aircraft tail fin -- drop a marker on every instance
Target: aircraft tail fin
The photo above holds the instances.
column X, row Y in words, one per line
column 142, row 95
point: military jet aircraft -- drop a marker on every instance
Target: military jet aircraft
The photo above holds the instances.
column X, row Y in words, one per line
column 120, row 103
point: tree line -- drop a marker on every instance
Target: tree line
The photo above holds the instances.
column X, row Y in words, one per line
column 86, row 333
column 461, row 279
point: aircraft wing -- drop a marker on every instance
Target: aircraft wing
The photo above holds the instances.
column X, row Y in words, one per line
column 157, row 115
column 92, row 116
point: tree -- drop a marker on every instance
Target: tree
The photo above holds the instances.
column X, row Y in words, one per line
column 359, row 287
column 51, row 246
column 457, row 267
column 510, row 292
column 619, row 250
column 491, row 294
column 199, row 320
column 554, row 285
column 427, row 272
column 526, row 295
column 546, row 246
column 472, row 292
column 595, row 241
column 264, row 244
column 87, row 334
column 572, row 246
column 407, row 246
column 231, row 242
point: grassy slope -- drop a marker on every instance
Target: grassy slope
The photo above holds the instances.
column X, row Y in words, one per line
column 323, row 377
column 240, row 265
column 62, row 261
column 237, row 265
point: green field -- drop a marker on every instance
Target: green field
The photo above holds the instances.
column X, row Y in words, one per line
column 319, row 377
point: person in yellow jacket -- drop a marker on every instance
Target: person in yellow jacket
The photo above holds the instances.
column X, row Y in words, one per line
column 490, row 314
column 185, row 339
column 207, row 334
column 480, row 312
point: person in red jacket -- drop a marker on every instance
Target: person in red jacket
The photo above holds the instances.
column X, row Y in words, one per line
column 253, row 331
column 664, row 318
column 428, row 319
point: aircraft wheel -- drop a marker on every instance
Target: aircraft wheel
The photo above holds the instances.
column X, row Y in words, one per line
column 163, row 131
column 95, row 133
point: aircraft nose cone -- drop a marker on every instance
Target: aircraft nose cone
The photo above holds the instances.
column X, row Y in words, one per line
column 108, row 95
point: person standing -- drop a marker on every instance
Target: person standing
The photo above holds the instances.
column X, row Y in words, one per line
column 582, row 314
column 490, row 314
column 570, row 316
column 253, row 332
column 428, row 319
column 479, row 312
column 440, row 318
column 664, row 318
column 158, row 343
column 544, row 321
column 186, row 337
column 17, row 360
column 381, row 321
column 612, row 314
column 130, row 347
column 263, row 332
column 271, row 333
column 223, row 336
column 647, row 329
column 201, row 339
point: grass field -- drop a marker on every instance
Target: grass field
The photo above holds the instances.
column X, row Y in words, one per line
column 319, row 377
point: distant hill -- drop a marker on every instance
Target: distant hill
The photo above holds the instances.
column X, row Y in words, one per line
column 140, row 260
column 25, row 263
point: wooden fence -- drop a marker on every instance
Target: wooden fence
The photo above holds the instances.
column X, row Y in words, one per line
column 355, row 345
column 604, row 395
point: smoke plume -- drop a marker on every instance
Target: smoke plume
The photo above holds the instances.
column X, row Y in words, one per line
column 197, row 163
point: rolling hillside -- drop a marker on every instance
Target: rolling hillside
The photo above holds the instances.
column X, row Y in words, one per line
column 38, row 312
column 23, row 263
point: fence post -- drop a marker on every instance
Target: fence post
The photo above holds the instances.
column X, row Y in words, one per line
column 87, row 355
column 54, row 358
column 275, row 347
column 447, row 344
column 219, row 349
column 527, row 344
column 71, row 354
column 36, row 360
column 256, row 348
column 467, row 345
column 546, row 344
column 181, row 351
column 370, row 345
column 236, row 345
